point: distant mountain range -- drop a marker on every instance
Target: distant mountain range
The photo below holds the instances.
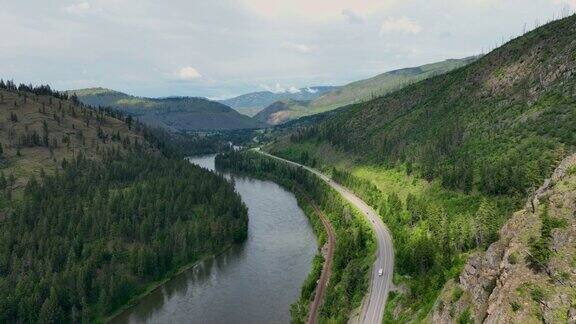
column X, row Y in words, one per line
column 251, row 103
column 291, row 108
column 267, row 108
column 174, row 113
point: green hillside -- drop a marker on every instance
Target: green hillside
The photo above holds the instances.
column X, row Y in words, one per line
column 470, row 145
column 358, row 91
column 96, row 209
column 175, row 113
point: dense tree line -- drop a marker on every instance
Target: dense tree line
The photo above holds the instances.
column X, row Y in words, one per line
column 354, row 243
column 84, row 241
column 41, row 90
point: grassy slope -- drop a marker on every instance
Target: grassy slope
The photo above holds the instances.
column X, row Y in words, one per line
column 383, row 83
column 23, row 162
column 180, row 113
column 358, row 91
column 488, row 131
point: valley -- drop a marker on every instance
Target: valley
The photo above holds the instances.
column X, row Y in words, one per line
column 327, row 191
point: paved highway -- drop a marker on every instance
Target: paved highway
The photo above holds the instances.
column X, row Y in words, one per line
column 375, row 301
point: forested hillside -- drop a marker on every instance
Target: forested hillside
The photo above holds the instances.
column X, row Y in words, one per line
column 94, row 211
column 173, row 113
column 497, row 126
column 447, row 160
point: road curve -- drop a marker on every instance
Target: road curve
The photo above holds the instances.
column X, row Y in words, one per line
column 374, row 303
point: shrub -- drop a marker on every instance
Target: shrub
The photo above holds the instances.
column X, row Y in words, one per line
column 515, row 306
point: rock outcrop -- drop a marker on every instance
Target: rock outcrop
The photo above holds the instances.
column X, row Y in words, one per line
column 502, row 285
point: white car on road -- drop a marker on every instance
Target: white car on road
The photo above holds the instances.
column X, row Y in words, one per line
column 380, row 272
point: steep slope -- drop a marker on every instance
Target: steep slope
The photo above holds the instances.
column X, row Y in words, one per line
column 528, row 274
column 358, row 91
column 38, row 131
column 93, row 212
column 496, row 125
column 447, row 160
column 281, row 111
column 177, row 113
column 384, row 83
column 251, row 103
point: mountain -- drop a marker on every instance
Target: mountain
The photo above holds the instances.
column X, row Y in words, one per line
column 251, row 103
column 358, row 91
column 281, row 111
column 41, row 128
column 93, row 211
column 447, row 160
column 176, row 113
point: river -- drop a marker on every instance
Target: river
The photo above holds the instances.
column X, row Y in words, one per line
column 254, row 282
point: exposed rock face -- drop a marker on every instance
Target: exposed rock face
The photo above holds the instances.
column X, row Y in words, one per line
column 500, row 286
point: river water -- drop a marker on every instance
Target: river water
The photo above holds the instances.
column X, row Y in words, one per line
column 254, row 282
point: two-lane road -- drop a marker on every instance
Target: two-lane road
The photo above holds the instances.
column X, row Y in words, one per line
column 375, row 301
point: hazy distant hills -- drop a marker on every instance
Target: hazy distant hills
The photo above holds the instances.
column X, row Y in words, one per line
column 357, row 91
column 251, row 103
column 176, row 113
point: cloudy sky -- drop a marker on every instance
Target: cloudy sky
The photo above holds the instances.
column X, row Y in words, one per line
column 221, row 48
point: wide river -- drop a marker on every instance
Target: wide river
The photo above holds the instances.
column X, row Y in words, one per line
column 255, row 282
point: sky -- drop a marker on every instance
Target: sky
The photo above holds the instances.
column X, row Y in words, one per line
column 222, row 48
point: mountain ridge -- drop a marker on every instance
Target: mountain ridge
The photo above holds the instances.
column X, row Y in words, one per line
column 253, row 102
column 359, row 91
column 174, row 113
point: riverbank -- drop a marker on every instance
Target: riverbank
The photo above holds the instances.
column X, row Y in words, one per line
column 243, row 285
column 355, row 244
column 158, row 284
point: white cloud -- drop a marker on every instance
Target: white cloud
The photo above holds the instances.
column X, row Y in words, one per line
column 300, row 48
column 278, row 88
column 79, row 9
column 400, row 25
column 352, row 17
column 571, row 3
column 314, row 10
column 188, row 73
column 275, row 89
column 311, row 90
column 293, row 89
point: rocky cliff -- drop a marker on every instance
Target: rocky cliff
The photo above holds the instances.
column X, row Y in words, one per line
column 529, row 274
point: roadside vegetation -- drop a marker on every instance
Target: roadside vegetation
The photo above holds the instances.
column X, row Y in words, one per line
column 355, row 247
column 433, row 228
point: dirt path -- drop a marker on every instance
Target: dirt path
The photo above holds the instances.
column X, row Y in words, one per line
column 326, row 269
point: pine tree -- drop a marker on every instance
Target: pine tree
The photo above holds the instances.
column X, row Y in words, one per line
column 50, row 311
